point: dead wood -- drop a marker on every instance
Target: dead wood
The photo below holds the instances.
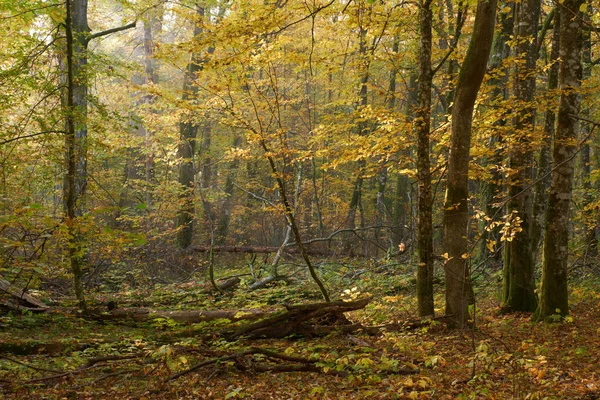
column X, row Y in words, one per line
column 227, row 284
column 31, row 347
column 263, row 282
column 273, row 363
column 89, row 365
column 15, row 299
column 300, row 364
column 146, row 314
column 300, row 319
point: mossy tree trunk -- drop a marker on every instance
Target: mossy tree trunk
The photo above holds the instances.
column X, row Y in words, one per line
column 519, row 282
column 544, row 178
column 75, row 105
column 554, row 298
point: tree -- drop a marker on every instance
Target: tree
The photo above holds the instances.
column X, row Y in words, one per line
column 554, row 296
column 456, row 210
column 422, row 128
column 544, row 162
column 188, row 130
column 519, row 281
column 78, row 37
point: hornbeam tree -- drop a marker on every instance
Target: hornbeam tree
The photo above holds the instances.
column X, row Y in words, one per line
column 554, row 297
column 78, row 36
column 456, row 210
column 422, row 127
column 519, row 285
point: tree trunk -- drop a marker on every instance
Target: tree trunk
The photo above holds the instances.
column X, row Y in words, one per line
column 422, row 128
column 545, row 157
column 361, row 127
column 77, row 31
column 152, row 26
column 188, row 130
column 227, row 204
column 519, row 280
column 456, row 211
column 493, row 187
column 590, row 214
column 401, row 215
column 554, row 298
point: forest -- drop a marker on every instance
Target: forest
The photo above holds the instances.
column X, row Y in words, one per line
column 299, row 199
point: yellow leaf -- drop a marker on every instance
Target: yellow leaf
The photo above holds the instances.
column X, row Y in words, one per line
column 583, row 8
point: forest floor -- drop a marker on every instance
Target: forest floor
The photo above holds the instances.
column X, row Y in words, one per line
column 47, row 356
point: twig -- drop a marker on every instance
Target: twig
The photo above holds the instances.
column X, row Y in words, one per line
column 31, row 366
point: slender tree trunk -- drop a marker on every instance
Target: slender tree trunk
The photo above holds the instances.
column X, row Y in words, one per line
column 152, row 27
column 81, row 32
column 402, row 209
column 188, row 130
column 382, row 175
column 139, row 165
column 227, row 205
column 289, row 214
column 76, row 130
column 78, row 36
column 590, row 215
column 544, row 178
column 554, row 298
column 361, row 127
column 316, row 198
column 519, row 282
column 456, row 211
column 493, row 187
column 422, row 127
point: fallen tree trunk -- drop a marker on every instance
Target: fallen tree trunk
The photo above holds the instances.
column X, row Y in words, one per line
column 192, row 317
column 15, row 299
column 228, row 284
column 26, row 347
column 300, row 319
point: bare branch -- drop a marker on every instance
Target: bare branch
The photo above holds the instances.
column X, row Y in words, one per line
column 112, row 30
column 28, row 136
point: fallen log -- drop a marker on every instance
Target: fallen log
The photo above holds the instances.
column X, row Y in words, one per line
column 299, row 319
column 26, row 347
column 15, row 299
column 225, row 285
column 299, row 364
column 146, row 314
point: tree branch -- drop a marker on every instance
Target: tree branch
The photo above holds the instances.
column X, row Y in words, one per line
column 112, row 30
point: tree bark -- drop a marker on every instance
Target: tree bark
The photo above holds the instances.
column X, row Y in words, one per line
column 544, row 178
column 361, row 128
column 554, row 298
column 590, row 215
column 422, row 127
column 456, row 212
column 188, row 130
column 493, row 187
column 77, row 31
column 519, row 280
